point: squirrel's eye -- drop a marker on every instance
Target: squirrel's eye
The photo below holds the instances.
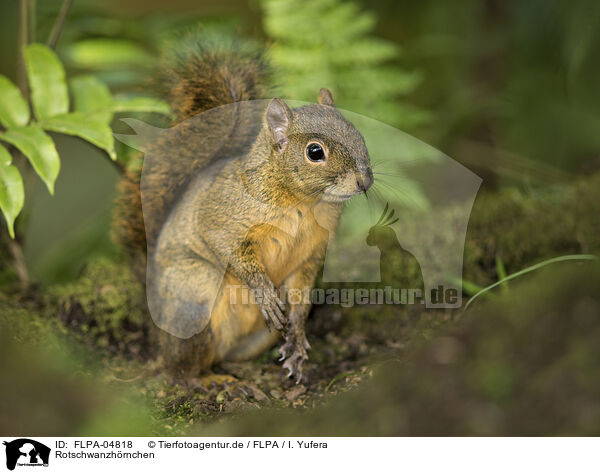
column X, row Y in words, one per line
column 315, row 152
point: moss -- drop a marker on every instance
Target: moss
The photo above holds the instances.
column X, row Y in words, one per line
column 51, row 385
column 524, row 229
column 479, row 374
column 106, row 306
column 524, row 364
column 519, row 228
column 178, row 406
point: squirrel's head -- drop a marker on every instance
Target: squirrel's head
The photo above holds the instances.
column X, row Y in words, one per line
column 321, row 152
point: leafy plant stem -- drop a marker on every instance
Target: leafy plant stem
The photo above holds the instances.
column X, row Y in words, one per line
column 14, row 246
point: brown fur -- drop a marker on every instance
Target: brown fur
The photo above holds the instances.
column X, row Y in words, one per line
column 261, row 219
column 202, row 76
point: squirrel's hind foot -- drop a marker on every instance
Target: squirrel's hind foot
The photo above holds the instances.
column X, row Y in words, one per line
column 294, row 352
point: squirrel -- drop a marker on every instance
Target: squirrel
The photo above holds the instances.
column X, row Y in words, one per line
column 259, row 218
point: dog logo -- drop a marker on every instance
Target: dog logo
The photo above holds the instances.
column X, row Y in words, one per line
column 26, row 452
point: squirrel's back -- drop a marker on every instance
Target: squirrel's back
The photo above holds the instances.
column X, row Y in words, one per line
column 200, row 75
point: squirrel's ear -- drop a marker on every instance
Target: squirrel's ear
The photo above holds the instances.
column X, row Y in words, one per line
column 279, row 117
column 325, row 97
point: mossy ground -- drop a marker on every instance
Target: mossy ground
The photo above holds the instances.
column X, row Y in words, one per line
column 496, row 369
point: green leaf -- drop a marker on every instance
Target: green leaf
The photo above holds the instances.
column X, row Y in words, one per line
column 90, row 128
column 92, row 96
column 14, row 111
column 12, row 191
column 39, row 149
column 140, row 104
column 47, row 81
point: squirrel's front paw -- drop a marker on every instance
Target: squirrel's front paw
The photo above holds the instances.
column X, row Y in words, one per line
column 272, row 308
column 293, row 351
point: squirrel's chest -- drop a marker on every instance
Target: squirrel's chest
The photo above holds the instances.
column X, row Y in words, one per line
column 287, row 242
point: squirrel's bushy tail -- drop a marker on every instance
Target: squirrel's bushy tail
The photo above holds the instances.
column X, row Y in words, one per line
column 203, row 72
column 198, row 73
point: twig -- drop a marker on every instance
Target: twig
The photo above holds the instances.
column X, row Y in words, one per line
column 32, row 20
column 59, row 23
column 18, row 259
column 23, row 37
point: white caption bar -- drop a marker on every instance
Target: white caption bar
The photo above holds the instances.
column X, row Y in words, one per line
column 298, row 454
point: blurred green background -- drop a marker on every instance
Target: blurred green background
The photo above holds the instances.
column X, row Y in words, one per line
column 509, row 88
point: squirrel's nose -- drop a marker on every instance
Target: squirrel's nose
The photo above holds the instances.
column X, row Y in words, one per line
column 364, row 180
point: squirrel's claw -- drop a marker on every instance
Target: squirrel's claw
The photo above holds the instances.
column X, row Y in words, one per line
column 273, row 310
column 272, row 319
column 294, row 366
column 294, row 353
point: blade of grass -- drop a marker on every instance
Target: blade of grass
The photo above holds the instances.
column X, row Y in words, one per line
column 468, row 287
column 532, row 268
column 339, row 377
column 501, row 272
